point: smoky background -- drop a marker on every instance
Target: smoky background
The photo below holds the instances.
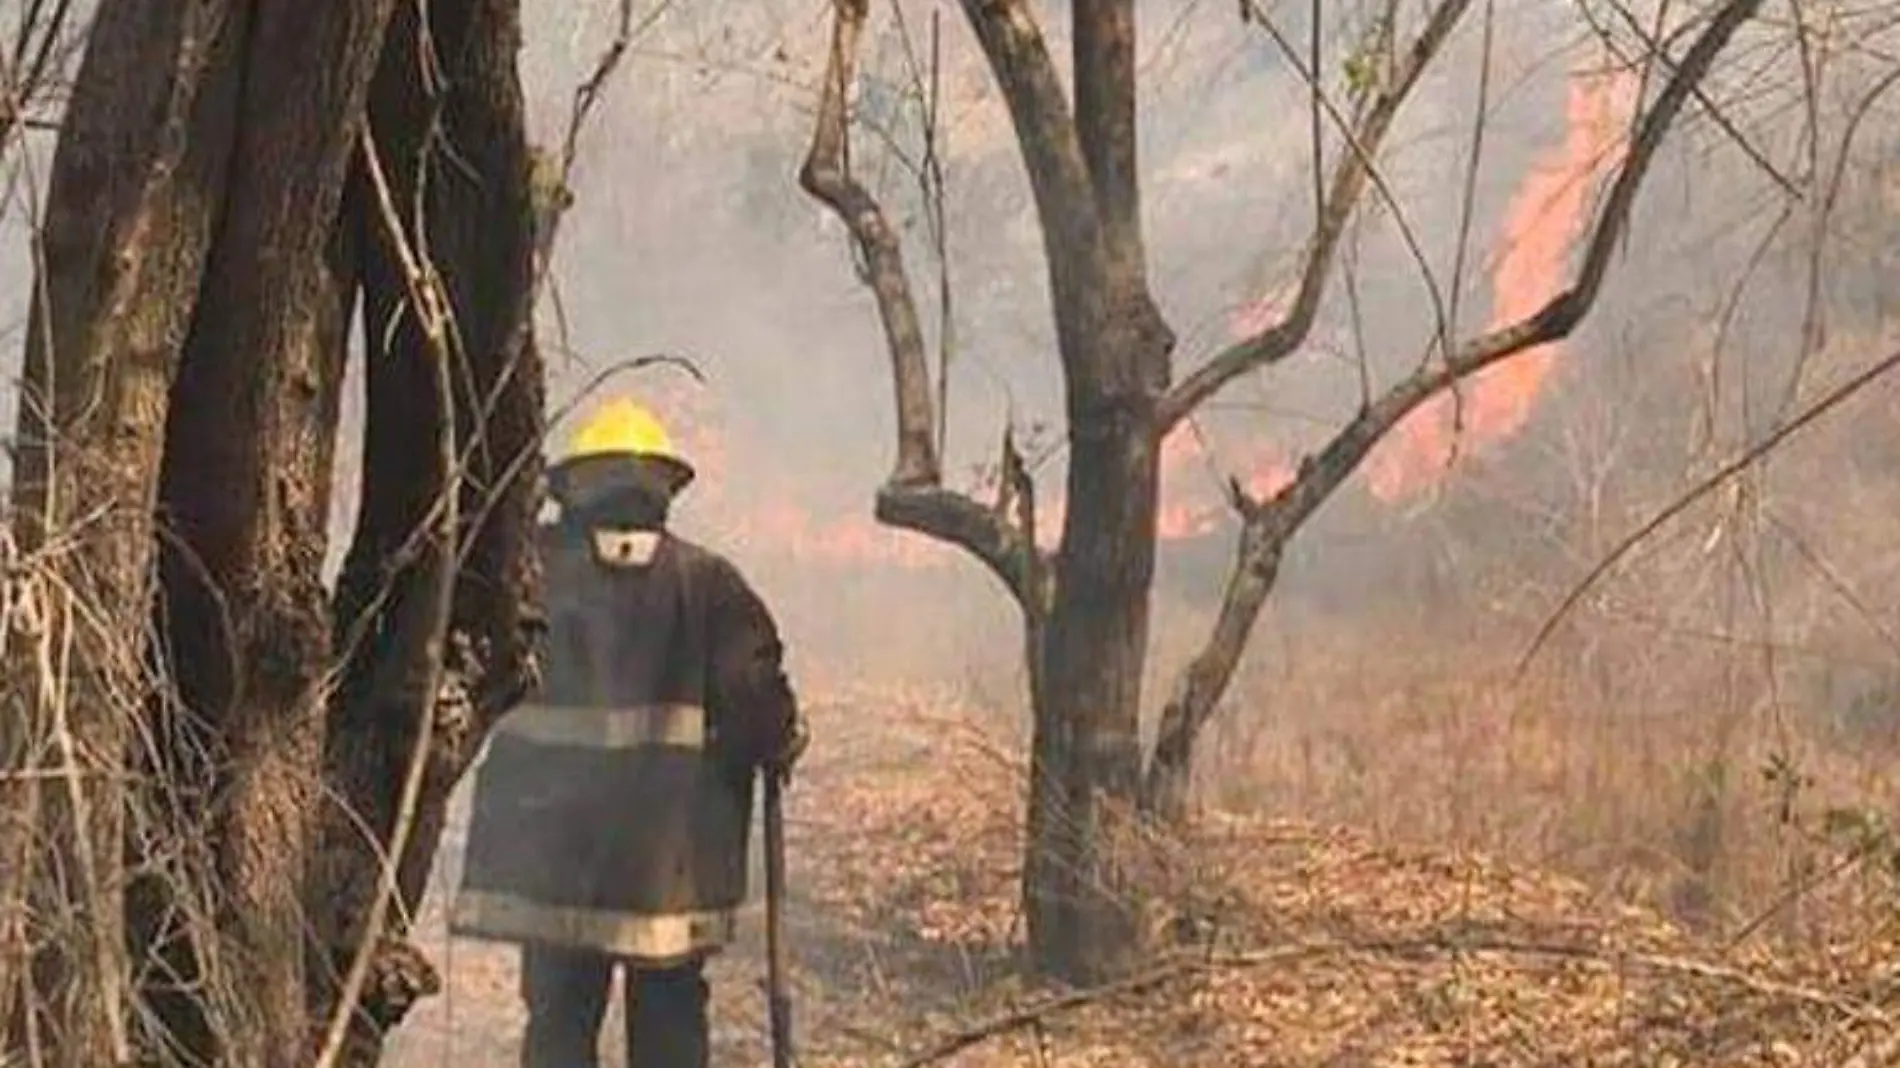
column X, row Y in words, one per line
column 1756, row 631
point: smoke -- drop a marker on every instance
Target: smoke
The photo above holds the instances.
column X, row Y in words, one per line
column 689, row 235
column 1545, row 219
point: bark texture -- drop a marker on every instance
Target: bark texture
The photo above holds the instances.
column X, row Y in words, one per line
column 245, row 492
column 132, row 202
column 206, row 240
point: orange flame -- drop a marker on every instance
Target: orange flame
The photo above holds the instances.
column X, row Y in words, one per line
column 1541, row 224
column 1193, row 481
column 771, row 518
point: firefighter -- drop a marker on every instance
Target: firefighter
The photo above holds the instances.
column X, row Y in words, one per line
column 612, row 813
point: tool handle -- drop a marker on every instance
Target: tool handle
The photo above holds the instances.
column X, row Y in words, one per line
column 781, row 1009
column 778, row 999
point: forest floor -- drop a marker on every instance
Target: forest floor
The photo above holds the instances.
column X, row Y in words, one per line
column 1310, row 946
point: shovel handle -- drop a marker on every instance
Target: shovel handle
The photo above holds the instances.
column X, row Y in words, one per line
column 778, row 998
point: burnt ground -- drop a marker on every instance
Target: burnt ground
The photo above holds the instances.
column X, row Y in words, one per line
column 1309, row 946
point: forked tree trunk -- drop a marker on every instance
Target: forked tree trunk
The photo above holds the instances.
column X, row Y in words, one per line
column 184, row 361
column 1164, row 793
column 465, row 146
column 246, row 491
column 131, row 205
column 1115, row 348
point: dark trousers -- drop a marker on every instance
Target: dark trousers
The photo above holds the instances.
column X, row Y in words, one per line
column 566, row 993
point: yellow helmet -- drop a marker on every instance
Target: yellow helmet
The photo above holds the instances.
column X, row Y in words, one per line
column 625, row 429
column 621, row 426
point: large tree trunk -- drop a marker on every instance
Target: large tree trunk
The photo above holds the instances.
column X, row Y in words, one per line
column 1115, row 349
column 184, row 360
column 246, row 489
column 1086, row 757
column 463, row 144
column 1086, row 750
column 131, row 205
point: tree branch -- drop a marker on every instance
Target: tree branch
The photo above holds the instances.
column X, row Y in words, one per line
column 827, row 177
column 1350, row 178
column 1720, row 477
column 1450, row 942
column 951, row 516
column 1268, row 525
column 1104, row 60
column 1321, row 474
column 914, row 497
column 1083, row 277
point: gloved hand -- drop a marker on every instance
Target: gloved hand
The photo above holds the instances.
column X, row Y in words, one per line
column 796, row 741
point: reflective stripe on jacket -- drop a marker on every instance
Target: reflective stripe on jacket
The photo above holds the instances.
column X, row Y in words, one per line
column 613, row 812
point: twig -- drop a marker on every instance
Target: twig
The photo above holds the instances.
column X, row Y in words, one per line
column 588, row 93
column 1360, row 165
column 1038, row 1011
column 1749, row 458
column 1354, row 172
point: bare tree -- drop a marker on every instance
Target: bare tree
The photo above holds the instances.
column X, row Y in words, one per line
column 230, row 179
column 1085, row 606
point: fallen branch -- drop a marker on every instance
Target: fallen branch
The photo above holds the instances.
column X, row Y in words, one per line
column 1039, row 1011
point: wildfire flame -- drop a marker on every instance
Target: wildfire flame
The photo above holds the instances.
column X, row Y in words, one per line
column 1541, row 224
column 1194, row 480
column 762, row 514
column 772, row 517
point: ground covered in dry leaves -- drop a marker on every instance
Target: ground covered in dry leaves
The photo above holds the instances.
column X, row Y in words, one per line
column 1287, row 945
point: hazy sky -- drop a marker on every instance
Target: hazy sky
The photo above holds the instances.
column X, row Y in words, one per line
column 690, row 235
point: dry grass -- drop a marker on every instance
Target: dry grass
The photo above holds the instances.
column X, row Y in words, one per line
column 1308, row 944
column 1676, row 803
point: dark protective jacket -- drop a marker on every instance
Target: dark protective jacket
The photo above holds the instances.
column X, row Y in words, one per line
column 612, row 810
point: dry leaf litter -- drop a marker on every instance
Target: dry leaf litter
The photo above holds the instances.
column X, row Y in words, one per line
column 1275, row 944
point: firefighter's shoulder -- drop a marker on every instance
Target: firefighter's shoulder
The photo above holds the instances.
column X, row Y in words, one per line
column 705, row 561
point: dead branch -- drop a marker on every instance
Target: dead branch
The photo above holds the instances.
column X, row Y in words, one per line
column 1267, row 525
column 827, row 176
column 587, row 93
column 951, row 516
column 1749, row 457
column 1324, row 472
column 913, row 497
column 1349, row 183
column 1434, row 945
column 1038, row 1011
column 1310, row 73
column 1655, row 53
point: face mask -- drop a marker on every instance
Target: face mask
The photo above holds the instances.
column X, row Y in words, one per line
column 624, row 548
